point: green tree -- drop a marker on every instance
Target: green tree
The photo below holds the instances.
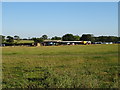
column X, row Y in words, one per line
column 2, row 39
column 87, row 37
column 96, row 39
column 37, row 40
column 10, row 39
column 68, row 37
column 112, row 39
column 103, row 38
column 108, row 38
column 44, row 37
column 17, row 38
column 56, row 38
column 118, row 38
column 76, row 38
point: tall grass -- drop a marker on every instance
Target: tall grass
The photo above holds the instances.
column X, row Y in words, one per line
column 82, row 66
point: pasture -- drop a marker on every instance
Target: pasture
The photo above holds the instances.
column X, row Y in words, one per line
column 80, row 66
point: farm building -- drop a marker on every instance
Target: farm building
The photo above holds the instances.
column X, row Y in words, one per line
column 49, row 43
column 59, row 42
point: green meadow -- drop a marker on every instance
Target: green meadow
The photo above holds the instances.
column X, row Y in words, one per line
column 79, row 66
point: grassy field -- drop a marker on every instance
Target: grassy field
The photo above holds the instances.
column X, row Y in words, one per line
column 24, row 41
column 82, row 66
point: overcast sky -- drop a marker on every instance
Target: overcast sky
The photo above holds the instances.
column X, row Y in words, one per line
column 33, row 19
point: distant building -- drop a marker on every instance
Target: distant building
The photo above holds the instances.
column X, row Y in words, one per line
column 59, row 42
column 97, row 43
column 107, row 43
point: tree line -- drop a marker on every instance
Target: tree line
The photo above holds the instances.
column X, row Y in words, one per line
column 66, row 37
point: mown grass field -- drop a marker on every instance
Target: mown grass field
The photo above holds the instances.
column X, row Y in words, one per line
column 24, row 41
column 80, row 66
